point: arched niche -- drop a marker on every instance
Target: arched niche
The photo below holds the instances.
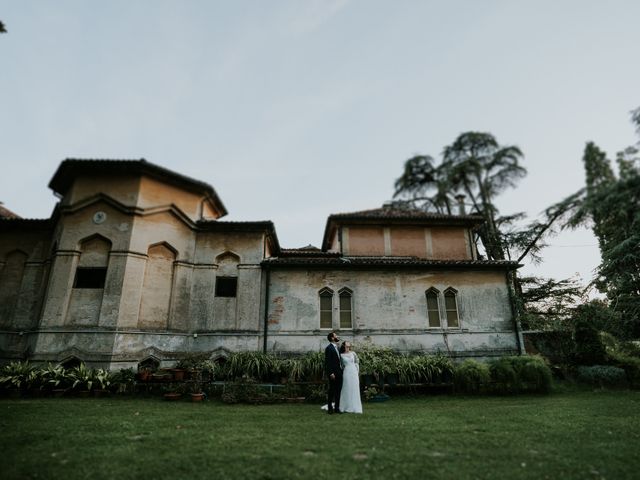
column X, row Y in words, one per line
column 227, row 263
column 157, row 287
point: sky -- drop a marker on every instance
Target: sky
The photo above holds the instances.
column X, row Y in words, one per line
column 294, row 110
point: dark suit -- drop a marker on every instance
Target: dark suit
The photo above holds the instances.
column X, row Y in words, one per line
column 333, row 365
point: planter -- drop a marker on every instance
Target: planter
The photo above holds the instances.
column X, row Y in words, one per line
column 172, row 396
column 178, row 374
column 197, row 397
column 84, row 393
column 145, row 375
column 295, row 399
column 58, row 392
column 101, row 393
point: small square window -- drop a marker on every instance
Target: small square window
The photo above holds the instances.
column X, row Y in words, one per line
column 90, row 277
column 226, row 286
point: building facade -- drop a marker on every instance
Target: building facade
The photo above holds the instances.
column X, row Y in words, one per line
column 135, row 264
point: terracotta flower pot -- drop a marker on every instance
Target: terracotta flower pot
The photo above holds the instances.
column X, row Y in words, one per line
column 172, row 396
column 197, row 397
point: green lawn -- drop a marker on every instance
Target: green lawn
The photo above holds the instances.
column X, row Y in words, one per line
column 578, row 435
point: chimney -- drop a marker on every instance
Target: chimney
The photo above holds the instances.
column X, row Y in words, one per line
column 460, row 199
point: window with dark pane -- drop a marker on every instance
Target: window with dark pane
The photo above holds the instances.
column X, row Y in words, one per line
column 90, row 277
column 451, row 306
column 433, row 311
column 226, row 286
column 326, row 309
column 345, row 309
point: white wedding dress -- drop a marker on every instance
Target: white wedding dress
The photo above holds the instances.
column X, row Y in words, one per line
column 350, row 394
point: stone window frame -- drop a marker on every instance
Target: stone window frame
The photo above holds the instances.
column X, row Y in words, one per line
column 451, row 291
column 341, row 293
column 325, row 292
column 434, row 291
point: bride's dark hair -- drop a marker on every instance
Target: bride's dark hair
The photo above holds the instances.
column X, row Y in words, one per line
column 342, row 347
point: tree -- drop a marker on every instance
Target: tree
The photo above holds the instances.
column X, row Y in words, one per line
column 474, row 165
column 611, row 205
column 2, row 28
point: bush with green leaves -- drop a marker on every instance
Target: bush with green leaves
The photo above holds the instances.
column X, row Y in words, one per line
column 503, row 376
column 471, row 376
column 602, row 376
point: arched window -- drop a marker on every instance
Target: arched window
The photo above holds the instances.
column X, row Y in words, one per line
column 451, row 307
column 346, row 307
column 433, row 308
column 326, row 308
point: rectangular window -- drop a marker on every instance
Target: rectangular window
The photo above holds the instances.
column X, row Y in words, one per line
column 345, row 310
column 452, row 309
column 326, row 308
column 90, row 277
column 226, row 286
column 433, row 312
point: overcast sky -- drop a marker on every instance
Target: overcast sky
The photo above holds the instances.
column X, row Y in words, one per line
column 294, row 110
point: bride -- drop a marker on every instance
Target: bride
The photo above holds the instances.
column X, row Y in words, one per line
column 350, row 395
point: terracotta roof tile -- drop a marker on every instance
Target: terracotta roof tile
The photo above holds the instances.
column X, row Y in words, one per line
column 381, row 262
column 6, row 213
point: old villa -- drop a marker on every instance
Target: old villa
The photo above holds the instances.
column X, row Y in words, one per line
column 135, row 264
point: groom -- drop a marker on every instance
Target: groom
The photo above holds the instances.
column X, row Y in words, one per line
column 333, row 368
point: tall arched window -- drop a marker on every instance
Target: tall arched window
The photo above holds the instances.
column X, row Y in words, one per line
column 433, row 308
column 346, row 307
column 326, row 308
column 451, row 307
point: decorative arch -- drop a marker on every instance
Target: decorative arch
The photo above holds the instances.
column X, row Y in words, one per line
column 157, row 287
column 71, row 362
column 433, row 307
column 91, row 271
column 451, row 307
column 325, row 296
column 345, row 295
column 149, row 363
column 227, row 264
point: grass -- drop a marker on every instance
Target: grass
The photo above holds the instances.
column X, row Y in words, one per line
column 574, row 435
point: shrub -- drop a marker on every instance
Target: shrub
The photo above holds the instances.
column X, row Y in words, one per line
column 470, row 376
column 503, row 376
column 535, row 376
column 589, row 347
column 602, row 376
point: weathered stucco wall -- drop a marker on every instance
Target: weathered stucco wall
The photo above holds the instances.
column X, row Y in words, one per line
column 389, row 308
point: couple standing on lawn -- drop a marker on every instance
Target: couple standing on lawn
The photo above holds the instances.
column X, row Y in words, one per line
column 341, row 366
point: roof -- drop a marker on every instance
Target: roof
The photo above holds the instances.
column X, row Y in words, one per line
column 70, row 168
column 6, row 213
column 362, row 262
column 308, row 251
column 390, row 214
column 17, row 223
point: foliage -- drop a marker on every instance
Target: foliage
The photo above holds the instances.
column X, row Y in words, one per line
column 589, row 347
column 602, row 376
column 611, row 205
column 471, row 376
column 82, row 377
column 504, row 376
column 549, row 303
column 257, row 365
column 475, row 166
column 124, row 380
column 16, row 375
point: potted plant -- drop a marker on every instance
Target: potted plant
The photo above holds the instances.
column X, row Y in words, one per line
column 197, row 395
